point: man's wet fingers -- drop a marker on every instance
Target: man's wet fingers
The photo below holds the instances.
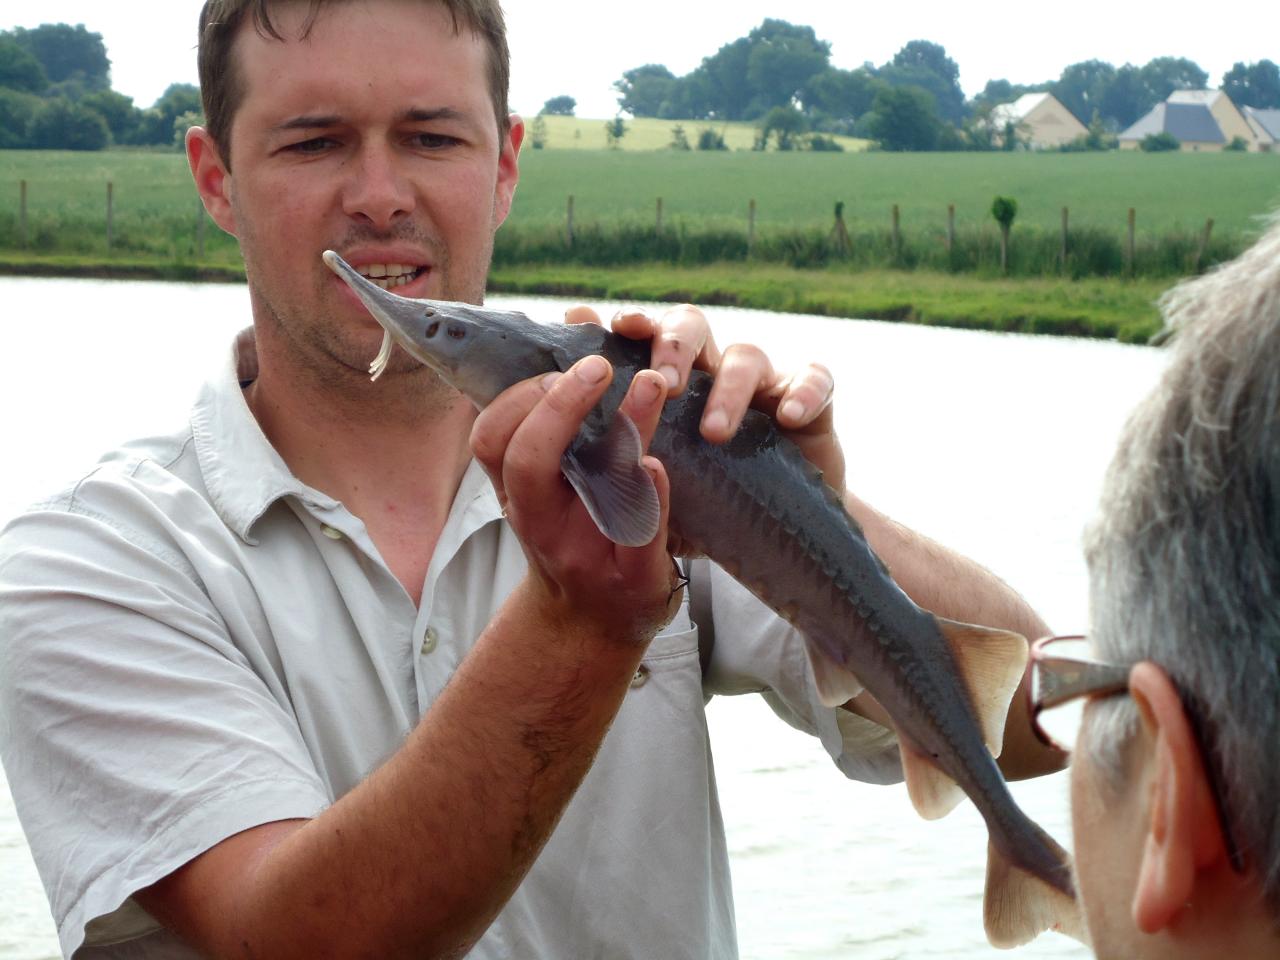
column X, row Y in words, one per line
column 683, row 339
column 744, row 371
column 582, row 314
column 496, row 424
column 807, row 394
column 643, row 403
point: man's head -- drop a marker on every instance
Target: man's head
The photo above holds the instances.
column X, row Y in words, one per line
column 221, row 85
column 1184, row 563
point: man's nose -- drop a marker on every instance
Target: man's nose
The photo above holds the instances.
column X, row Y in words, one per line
column 377, row 192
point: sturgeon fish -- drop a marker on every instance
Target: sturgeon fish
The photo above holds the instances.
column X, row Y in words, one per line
column 757, row 507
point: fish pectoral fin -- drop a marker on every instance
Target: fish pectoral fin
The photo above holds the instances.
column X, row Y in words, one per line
column 932, row 792
column 604, row 468
column 992, row 663
column 1018, row 906
column 836, row 684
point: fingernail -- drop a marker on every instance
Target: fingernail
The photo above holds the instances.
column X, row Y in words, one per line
column 591, row 369
column 551, row 378
column 717, row 421
column 646, row 390
column 670, row 375
column 793, row 410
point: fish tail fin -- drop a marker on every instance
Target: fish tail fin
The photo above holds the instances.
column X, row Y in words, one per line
column 1020, row 903
column 991, row 662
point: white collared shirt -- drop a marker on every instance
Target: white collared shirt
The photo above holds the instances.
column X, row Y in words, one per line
column 193, row 642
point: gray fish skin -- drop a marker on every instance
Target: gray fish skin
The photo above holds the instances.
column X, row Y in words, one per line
column 758, row 508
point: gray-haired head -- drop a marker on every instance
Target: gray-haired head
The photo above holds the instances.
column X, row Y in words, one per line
column 1184, row 557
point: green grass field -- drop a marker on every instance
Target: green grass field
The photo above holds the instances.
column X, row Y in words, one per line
column 705, row 199
column 647, row 133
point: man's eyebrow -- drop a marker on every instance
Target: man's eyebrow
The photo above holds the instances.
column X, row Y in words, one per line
column 420, row 115
column 412, row 115
column 308, row 122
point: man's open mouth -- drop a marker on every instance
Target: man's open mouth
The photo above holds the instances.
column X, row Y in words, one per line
column 391, row 275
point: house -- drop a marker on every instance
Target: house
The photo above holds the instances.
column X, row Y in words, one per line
column 1200, row 120
column 1266, row 128
column 1039, row 120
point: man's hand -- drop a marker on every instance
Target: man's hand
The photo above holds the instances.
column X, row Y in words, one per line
column 579, row 576
column 799, row 403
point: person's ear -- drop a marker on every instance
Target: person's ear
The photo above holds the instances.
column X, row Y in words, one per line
column 1183, row 835
column 212, row 177
column 508, row 169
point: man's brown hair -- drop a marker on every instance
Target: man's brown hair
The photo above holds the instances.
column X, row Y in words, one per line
column 221, row 86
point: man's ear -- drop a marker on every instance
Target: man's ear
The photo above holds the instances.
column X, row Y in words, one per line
column 213, row 179
column 508, row 169
column 1183, row 832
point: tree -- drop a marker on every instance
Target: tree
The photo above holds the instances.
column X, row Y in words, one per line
column 1163, row 75
column 926, row 65
column 68, row 53
column 904, row 118
column 785, row 124
column 679, row 139
column 1004, row 209
column 1083, row 86
column 118, row 110
column 16, row 110
column 614, row 131
column 710, row 139
column 62, row 125
column 155, row 124
column 1126, row 98
column 19, row 69
column 834, row 99
column 1256, row 85
column 561, row 106
column 644, row 90
column 782, row 60
column 538, row 132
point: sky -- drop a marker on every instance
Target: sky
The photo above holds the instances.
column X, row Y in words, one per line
column 580, row 47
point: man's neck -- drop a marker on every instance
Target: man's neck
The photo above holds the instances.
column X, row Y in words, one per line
column 393, row 452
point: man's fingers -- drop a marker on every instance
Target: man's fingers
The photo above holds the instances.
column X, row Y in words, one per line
column 496, row 424
column 643, row 403
column 681, row 340
column 582, row 314
column 744, row 372
column 802, row 399
column 531, row 464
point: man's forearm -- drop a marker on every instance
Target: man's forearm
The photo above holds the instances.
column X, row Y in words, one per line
column 418, row 859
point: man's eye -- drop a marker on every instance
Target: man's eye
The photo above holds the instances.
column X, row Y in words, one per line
column 434, row 141
column 314, row 145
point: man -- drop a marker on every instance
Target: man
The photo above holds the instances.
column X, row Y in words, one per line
column 1175, row 789
column 299, row 680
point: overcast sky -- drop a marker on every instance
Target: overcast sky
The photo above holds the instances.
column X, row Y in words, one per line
column 580, row 47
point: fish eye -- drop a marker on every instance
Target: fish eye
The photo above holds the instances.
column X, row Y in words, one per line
column 456, row 331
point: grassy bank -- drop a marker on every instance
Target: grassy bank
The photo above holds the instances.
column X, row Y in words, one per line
column 1094, row 308
column 1108, row 308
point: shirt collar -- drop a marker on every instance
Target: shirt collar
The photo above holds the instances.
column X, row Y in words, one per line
column 242, row 470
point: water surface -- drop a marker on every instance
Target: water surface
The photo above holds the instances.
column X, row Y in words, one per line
column 992, row 444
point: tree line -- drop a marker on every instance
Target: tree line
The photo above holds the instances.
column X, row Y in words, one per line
column 780, row 76
column 55, row 94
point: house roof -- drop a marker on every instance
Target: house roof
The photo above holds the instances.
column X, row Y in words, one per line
column 1207, row 97
column 1186, row 122
column 1017, row 110
column 1268, row 120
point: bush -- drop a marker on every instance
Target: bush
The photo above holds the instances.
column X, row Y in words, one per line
column 708, row 139
column 820, row 143
column 1160, row 142
column 679, row 140
column 1237, row 145
column 63, row 125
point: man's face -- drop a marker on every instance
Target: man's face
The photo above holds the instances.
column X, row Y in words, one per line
column 375, row 136
column 1108, row 827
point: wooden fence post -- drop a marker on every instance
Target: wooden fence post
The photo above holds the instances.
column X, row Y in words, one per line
column 658, row 227
column 568, row 224
column 22, row 212
column 1063, row 254
column 1204, row 245
column 951, row 227
column 839, row 232
column 1133, row 216
column 897, row 233
column 111, row 187
column 751, row 226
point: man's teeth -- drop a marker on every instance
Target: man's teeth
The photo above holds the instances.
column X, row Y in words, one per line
column 390, row 275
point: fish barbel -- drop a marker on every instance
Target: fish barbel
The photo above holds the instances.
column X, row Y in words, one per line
column 758, row 508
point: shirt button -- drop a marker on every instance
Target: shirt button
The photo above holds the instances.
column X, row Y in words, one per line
column 430, row 640
column 641, row 676
column 331, row 532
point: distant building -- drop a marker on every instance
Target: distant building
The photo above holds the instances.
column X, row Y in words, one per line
column 1266, row 128
column 1039, row 120
column 1200, row 120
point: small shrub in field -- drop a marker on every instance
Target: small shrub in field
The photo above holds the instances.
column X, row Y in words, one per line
column 1237, row 145
column 1160, row 142
column 709, row 139
column 819, row 143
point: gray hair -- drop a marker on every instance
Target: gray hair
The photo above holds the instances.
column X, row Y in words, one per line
column 1184, row 556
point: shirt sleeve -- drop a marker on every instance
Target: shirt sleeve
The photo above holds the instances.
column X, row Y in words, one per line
column 134, row 734
column 756, row 651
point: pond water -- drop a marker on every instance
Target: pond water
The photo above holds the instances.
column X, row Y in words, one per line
column 992, row 444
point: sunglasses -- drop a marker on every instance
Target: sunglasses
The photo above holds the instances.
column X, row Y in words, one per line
column 1065, row 674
